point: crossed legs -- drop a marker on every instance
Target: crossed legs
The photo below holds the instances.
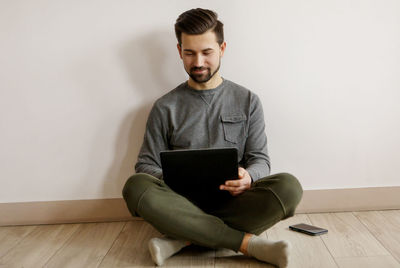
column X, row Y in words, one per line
column 230, row 225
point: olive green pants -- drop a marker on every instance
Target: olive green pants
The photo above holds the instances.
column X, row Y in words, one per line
column 268, row 201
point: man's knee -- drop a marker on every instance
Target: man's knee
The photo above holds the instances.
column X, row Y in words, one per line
column 135, row 187
column 290, row 192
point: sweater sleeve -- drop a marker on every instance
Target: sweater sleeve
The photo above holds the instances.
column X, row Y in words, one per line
column 257, row 161
column 155, row 140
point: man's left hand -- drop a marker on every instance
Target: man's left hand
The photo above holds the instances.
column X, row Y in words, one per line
column 236, row 187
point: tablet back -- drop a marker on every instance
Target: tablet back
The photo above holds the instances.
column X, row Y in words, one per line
column 198, row 173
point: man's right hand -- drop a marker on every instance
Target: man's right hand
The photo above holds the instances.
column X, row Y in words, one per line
column 236, row 187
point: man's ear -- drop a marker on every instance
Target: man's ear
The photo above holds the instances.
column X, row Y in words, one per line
column 222, row 48
column 179, row 50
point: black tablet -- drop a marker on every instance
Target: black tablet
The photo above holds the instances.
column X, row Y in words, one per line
column 198, row 173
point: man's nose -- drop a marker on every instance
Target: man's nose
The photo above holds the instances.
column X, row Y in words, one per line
column 199, row 61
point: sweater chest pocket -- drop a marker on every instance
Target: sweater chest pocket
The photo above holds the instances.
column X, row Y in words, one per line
column 234, row 127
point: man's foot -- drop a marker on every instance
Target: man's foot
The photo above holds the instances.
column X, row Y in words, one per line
column 274, row 252
column 161, row 248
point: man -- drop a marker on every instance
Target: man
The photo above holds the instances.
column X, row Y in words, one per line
column 208, row 111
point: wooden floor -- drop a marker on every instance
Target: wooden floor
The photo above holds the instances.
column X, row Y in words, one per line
column 355, row 239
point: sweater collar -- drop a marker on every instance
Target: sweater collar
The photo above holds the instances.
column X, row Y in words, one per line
column 206, row 91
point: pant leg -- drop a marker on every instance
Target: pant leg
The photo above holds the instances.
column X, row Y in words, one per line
column 268, row 201
column 175, row 216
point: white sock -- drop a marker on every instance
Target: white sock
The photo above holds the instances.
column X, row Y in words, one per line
column 274, row 252
column 161, row 248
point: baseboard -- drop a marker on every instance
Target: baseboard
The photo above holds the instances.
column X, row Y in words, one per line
column 353, row 199
column 101, row 210
column 68, row 211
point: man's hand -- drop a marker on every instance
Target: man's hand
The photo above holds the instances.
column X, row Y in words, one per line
column 236, row 187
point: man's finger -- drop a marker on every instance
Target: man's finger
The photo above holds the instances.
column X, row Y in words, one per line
column 232, row 188
column 228, row 188
column 233, row 183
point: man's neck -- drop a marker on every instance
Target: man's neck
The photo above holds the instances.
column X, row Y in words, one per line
column 214, row 82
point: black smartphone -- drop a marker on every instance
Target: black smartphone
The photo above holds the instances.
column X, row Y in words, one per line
column 308, row 229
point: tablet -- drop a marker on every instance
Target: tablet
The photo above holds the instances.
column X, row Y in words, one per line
column 198, row 173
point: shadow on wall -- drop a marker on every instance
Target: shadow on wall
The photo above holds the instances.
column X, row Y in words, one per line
column 153, row 71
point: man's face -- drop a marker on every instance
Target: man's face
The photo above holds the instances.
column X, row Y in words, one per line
column 201, row 55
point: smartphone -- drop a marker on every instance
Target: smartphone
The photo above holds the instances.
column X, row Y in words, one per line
column 308, row 229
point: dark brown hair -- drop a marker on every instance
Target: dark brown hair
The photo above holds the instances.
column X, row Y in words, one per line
column 199, row 21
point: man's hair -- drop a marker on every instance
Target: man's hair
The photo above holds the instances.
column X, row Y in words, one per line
column 199, row 21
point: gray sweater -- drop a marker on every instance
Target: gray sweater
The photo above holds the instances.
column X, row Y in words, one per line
column 226, row 116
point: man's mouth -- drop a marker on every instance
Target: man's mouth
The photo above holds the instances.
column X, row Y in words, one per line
column 199, row 71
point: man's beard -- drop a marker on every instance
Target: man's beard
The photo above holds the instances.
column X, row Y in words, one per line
column 204, row 77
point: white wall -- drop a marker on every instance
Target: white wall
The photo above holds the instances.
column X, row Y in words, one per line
column 77, row 80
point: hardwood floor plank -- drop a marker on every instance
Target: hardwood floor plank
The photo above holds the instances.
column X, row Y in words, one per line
column 385, row 226
column 130, row 247
column 88, row 245
column 347, row 236
column 38, row 246
column 307, row 251
column 368, row 262
column 10, row 236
